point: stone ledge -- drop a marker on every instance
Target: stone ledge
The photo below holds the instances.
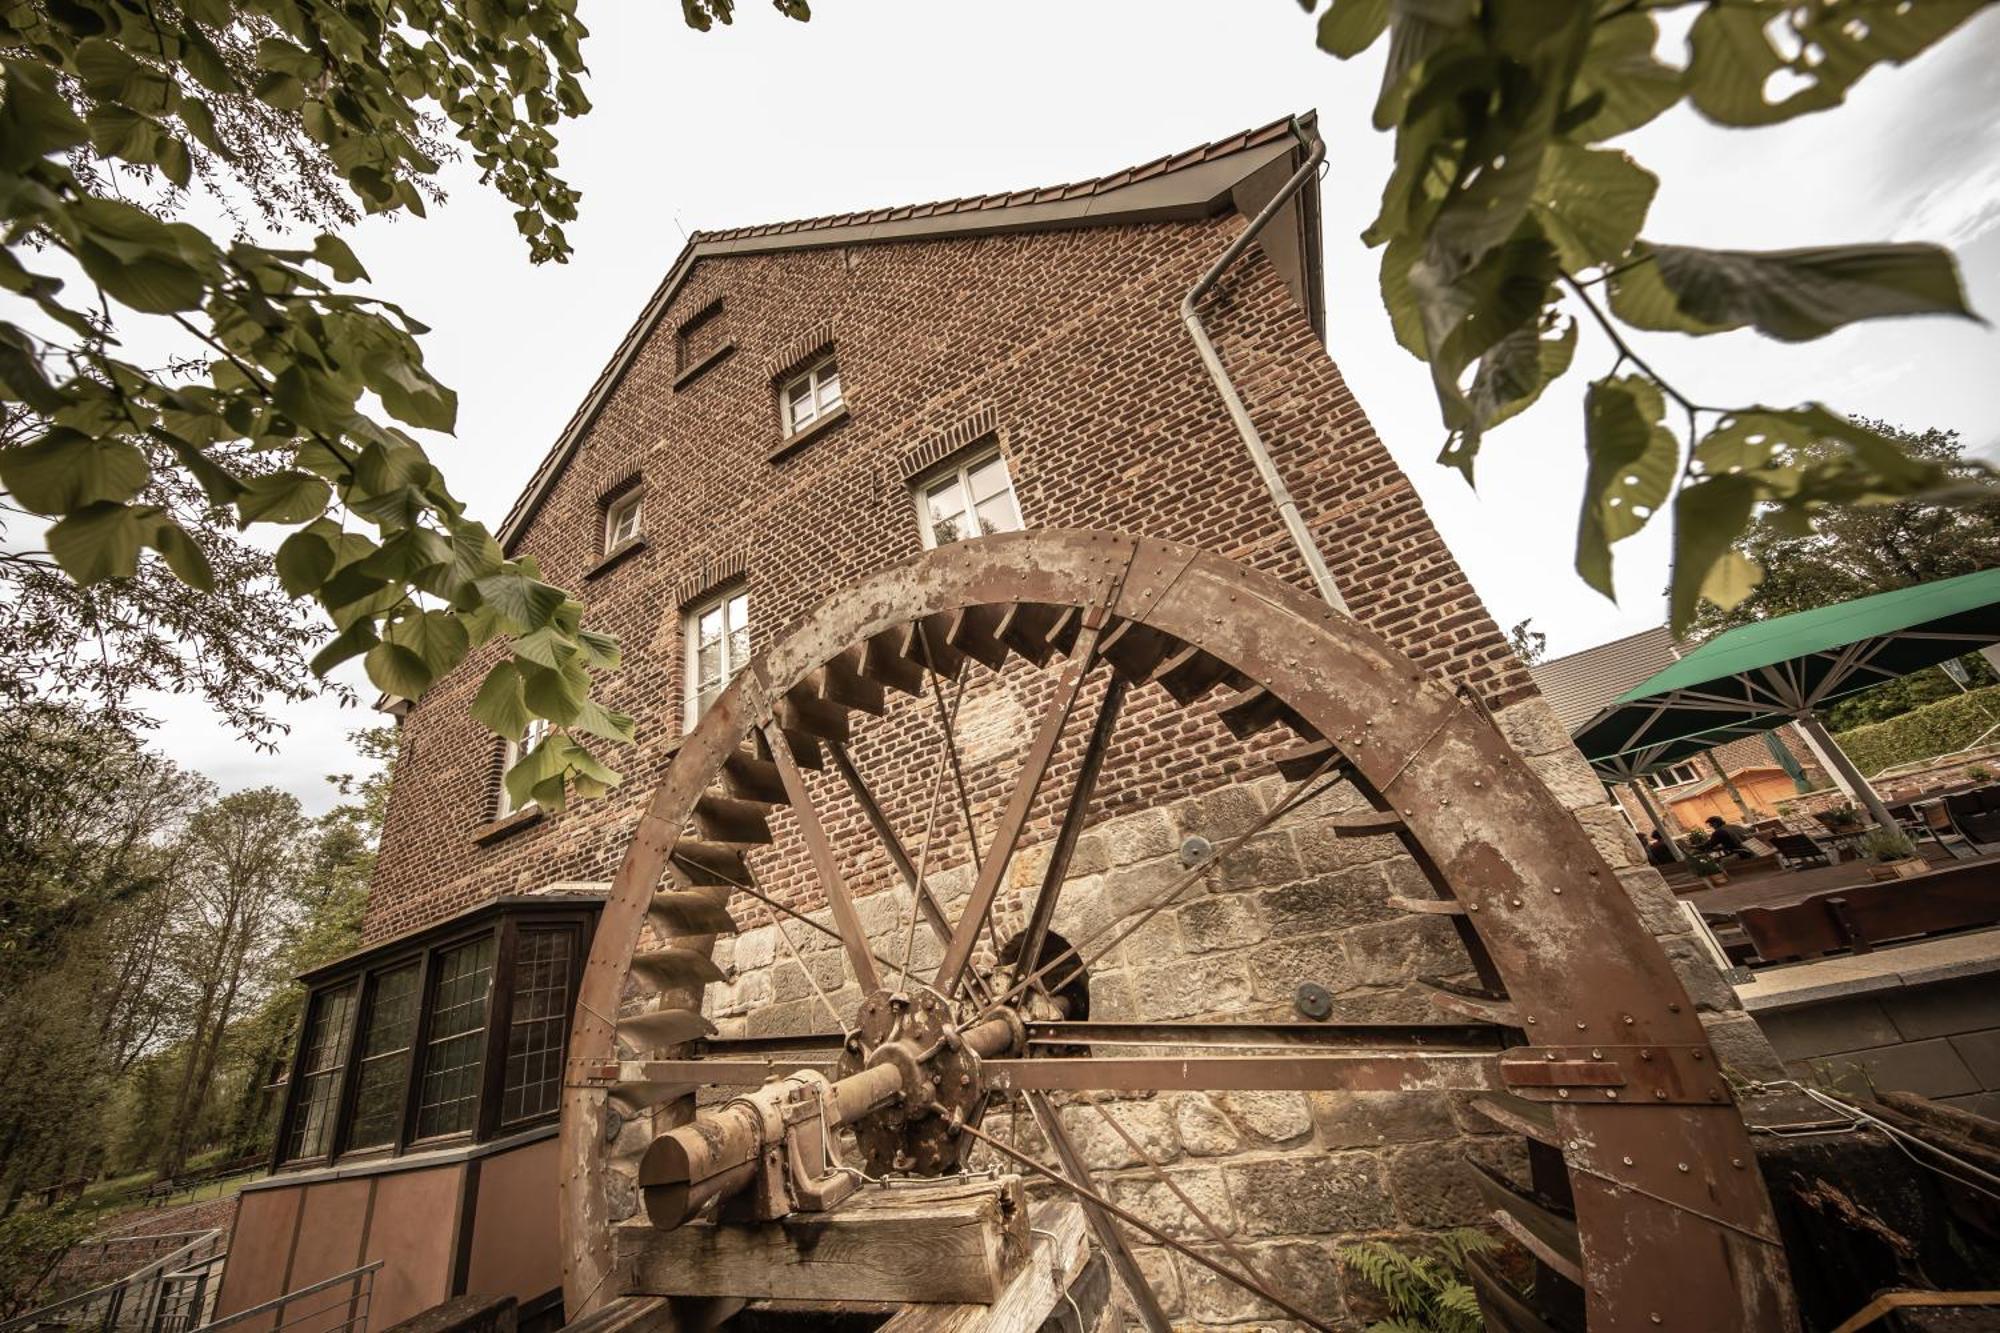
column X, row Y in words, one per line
column 615, row 557
column 799, row 439
column 1898, row 967
column 694, row 372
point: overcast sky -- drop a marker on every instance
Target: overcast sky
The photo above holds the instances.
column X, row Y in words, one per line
column 879, row 102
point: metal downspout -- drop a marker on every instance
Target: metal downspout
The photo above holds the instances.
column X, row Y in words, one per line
column 1288, row 509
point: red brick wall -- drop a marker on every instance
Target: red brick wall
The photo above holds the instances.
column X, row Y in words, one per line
column 1071, row 344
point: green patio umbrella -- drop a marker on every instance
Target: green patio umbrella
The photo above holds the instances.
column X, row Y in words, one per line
column 1759, row 676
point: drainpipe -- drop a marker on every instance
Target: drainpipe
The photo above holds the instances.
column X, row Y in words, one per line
column 1288, row 509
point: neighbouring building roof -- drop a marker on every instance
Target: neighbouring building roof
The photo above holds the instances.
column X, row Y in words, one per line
column 1581, row 685
column 1242, row 171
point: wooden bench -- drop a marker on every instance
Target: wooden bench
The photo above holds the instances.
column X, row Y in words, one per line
column 1865, row 915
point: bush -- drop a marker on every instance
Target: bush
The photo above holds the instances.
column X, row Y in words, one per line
column 1935, row 729
column 1426, row 1294
column 32, row 1243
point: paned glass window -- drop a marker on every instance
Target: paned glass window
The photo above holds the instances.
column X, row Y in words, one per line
column 810, row 396
column 718, row 645
column 973, row 499
column 538, row 1023
column 537, row 732
column 386, row 1038
column 320, row 1064
column 449, row 1096
column 621, row 521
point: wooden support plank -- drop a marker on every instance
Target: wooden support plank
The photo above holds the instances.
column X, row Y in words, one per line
column 883, row 660
column 957, row 1242
column 1059, row 1255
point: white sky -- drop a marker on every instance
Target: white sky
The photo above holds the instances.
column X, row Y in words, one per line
column 880, row 102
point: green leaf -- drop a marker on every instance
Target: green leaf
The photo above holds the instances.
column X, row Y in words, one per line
column 1709, row 518
column 313, row 397
column 598, row 720
column 1511, row 376
column 599, row 650
column 102, row 540
column 152, row 266
column 1591, row 203
column 1796, row 295
column 397, row 670
column 183, row 556
column 526, row 602
column 356, row 639
column 1633, row 460
column 304, row 561
column 1350, row 27
column 553, row 694
column 339, row 259
column 1625, row 81
column 1641, row 299
column 1735, row 52
column 283, row 497
column 35, row 119
column 409, row 392
column 499, row 705
column 528, row 781
column 436, row 637
column 64, row 471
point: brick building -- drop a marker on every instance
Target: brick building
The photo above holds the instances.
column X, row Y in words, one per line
column 801, row 404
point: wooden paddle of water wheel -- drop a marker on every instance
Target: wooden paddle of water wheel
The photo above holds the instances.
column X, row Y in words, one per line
column 1645, row 1211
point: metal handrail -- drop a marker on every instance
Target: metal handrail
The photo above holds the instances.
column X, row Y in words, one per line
column 115, row 1292
column 363, row 1279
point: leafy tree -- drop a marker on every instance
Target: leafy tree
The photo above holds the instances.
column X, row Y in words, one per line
column 271, row 427
column 1858, row 551
column 1529, row 644
column 1504, row 214
column 238, row 645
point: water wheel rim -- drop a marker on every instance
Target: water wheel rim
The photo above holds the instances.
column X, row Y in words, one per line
column 1566, row 941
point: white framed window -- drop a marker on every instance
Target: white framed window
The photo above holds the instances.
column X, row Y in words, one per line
column 515, row 751
column 808, row 397
column 718, row 644
column 1677, row 776
column 621, row 520
column 975, row 498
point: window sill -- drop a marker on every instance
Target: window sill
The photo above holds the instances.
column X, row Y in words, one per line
column 800, row 439
column 694, row 372
column 506, row 826
column 615, row 557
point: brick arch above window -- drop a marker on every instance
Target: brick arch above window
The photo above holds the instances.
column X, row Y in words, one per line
column 709, row 577
column 980, row 429
column 800, row 351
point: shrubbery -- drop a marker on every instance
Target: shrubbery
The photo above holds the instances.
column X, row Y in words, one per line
column 1939, row 728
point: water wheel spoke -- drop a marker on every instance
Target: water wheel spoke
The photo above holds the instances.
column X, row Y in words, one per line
column 1096, row 1211
column 1014, row 818
column 1159, row 1173
column 1469, row 1070
column 1092, row 1198
column 852, row 937
column 1043, row 913
column 899, row 856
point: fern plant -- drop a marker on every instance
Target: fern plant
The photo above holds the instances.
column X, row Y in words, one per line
column 1427, row 1293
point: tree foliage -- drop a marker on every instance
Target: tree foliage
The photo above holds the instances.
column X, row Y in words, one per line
column 273, row 424
column 1862, row 550
column 1505, row 213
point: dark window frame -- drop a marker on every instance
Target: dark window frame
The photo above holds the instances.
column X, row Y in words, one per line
column 501, row 922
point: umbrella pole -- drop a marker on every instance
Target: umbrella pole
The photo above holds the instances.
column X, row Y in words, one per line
column 1729, row 786
column 1638, row 786
column 1848, row 772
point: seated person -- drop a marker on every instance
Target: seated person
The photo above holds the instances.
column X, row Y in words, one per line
column 1725, row 839
column 1657, row 851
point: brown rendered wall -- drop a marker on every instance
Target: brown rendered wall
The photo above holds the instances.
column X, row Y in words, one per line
column 1063, row 345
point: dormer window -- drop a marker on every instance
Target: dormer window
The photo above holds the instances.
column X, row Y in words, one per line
column 622, row 519
column 810, row 396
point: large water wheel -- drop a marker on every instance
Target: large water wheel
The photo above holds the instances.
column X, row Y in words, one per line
column 1646, row 1209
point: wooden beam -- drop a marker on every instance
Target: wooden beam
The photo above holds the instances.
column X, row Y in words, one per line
column 953, row 1243
column 1035, row 1293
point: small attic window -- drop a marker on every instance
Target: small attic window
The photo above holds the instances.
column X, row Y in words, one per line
column 810, row 395
column 701, row 341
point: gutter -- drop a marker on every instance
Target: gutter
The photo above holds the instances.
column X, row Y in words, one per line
column 1288, row 509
